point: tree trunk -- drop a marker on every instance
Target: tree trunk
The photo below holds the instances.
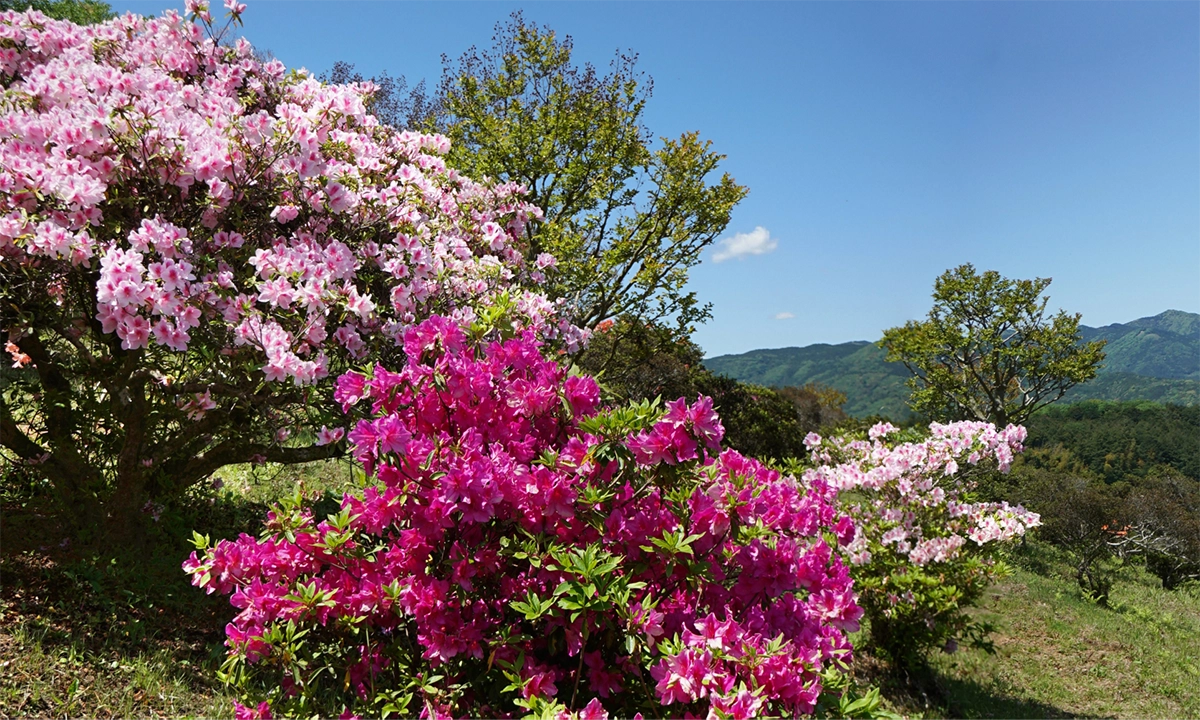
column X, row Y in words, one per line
column 98, row 515
column 124, row 522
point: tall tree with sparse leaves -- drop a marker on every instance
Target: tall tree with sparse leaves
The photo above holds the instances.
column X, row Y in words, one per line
column 624, row 216
column 989, row 351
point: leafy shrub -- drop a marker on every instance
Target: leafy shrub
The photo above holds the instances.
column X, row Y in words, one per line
column 818, row 406
column 640, row 362
column 760, row 421
column 1162, row 521
column 521, row 550
column 1081, row 517
column 1156, row 520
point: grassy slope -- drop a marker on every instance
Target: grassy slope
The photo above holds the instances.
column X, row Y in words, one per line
column 108, row 642
column 45, row 672
column 1062, row 655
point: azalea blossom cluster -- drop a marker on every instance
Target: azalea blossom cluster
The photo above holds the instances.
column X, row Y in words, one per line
column 210, row 188
column 916, row 520
column 918, row 502
column 195, row 242
column 522, row 549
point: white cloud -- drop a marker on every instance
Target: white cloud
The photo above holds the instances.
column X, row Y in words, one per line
column 784, row 316
column 758, row 242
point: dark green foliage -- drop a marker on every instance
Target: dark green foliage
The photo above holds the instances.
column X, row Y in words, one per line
column 758, row 421
column 818, row 406
column 80, row 12
column 635, row 361
column 1113, row 482
column 640, row 362
column 1115, row 441
column 1155, row 521
column 1161, row 520
column 1080, row 517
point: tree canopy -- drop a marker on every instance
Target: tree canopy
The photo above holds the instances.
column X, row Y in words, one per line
column 624, row 216
column 988, row 350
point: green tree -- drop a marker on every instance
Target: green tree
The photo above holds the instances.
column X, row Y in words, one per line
column 80, row 12
column 759, row 421
column 626, row 220
column 988, row 351
column 818, row 406
column 636, row 362
column 625, row 217
column 642, row 362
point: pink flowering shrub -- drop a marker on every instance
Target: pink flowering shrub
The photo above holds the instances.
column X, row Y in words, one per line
column 923, row 550
column 194, row 243
column 518, row 550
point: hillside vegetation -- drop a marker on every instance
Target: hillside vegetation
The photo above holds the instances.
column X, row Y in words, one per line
column 1155, row 358
column 1164, row 346
column 1115, row 441
column 872, row 386
column 1060, row 654
column 381, row 477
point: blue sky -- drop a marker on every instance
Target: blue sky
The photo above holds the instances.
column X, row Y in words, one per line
column 882, row 143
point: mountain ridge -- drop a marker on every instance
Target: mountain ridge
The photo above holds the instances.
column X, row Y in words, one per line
column 1150, row 358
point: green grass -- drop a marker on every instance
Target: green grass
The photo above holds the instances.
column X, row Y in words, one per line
column 85, row 635
column 269, row 482
column 1060, row 654
column 44, row 677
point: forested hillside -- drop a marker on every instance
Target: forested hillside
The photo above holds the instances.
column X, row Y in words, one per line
column 872, row 386
column 1164, row 346
column 1117, row 441
column 1155, row 358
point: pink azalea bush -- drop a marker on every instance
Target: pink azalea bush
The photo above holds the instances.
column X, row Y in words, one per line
column 924, row 549
column 194, row 242
column 519, row 550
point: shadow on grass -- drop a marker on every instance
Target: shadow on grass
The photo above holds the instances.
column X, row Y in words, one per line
column 104, row 632
column 966, row 698
column 927, row 692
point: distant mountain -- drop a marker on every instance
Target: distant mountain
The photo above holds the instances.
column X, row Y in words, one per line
column 1154, row 358
column 1164, row 346
column 872, row 385
column 1127, row 386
